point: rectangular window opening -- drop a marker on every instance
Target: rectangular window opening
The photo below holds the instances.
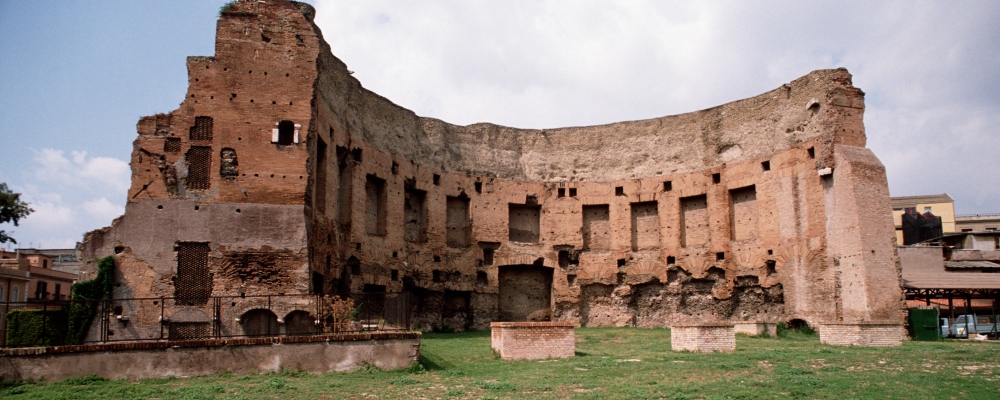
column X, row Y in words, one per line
column 458, row 223
column 523, row 222
column 415, row 215
column 199, row 160
column 375, row 210
column 193, row 283
column 202, row 129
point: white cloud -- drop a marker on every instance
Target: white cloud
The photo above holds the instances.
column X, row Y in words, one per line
column 931, row 70
column 93, row 173
column 103, row 209
column 70, row 196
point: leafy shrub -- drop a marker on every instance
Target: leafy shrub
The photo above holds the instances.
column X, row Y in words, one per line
column 227, row 7
column 339, row 313
column 36, row 327
column 86, row 298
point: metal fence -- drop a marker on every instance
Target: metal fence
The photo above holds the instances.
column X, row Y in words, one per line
column 213, row 317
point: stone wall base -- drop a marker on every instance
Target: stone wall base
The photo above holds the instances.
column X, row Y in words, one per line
column 533, row 340
column 866, row 334
column 705, row 338
column 756, row 328
column 141, row 360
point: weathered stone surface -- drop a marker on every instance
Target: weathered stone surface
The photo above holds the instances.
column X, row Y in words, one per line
column 761, row 209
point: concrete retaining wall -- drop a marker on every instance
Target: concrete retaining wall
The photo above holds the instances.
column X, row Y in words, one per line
column 316, row 354
column 756, row 328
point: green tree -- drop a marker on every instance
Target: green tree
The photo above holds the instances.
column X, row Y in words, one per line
column 12, row 209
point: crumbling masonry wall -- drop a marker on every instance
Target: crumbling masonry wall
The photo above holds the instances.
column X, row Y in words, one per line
column 763, row 209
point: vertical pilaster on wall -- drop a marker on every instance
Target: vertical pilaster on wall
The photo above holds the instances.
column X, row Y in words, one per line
column 860, row 236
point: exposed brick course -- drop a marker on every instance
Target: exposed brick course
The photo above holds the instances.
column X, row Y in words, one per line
column 533, row 340
column 870, row 334
column 704, row 338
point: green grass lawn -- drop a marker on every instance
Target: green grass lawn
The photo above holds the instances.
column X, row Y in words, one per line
column 610, row 363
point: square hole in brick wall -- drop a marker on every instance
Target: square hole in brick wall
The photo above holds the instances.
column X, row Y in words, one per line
column 716, row 178
column 720, row 256
column 489, row 249
column 668, row 186
column 172, row 145
column 437, row 179
column 812, row 152
column 572, row 192
column 561, row 192
column 479, row 187
column 523, row 222
column 619, row 191
column 765, row 165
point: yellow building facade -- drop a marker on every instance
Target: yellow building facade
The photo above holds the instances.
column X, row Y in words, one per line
column 941, row 205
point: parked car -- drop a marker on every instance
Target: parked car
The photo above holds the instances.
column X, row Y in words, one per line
column 976, row 324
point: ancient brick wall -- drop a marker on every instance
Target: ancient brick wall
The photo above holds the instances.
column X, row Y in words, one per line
column 763, row 209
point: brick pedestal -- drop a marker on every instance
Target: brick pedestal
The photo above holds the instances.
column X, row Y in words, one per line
column 533, row 340
column 866, row 334
column 705, row 338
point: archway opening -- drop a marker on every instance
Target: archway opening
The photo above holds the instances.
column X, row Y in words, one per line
column 259, row 322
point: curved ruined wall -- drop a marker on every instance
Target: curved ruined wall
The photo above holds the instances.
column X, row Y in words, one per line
column 763, row 209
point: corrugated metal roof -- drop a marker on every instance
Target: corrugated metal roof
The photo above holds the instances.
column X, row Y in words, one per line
column 951, row 280
column 971, row 264
column 912, row 201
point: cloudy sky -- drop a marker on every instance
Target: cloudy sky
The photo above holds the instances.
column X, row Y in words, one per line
column 75, row 76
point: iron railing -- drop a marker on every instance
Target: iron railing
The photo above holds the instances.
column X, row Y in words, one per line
column 216, row 317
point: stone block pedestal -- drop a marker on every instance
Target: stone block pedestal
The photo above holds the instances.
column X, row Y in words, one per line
column 705, row 338
column 533, row 340
column 866, row 334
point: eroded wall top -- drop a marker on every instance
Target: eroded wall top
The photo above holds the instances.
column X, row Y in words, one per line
column 821, row 105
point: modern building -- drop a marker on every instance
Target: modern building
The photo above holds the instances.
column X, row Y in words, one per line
column 65, row 260
column 958, row 266
column 13, row 290
column 45, row 283
column 977, row 222
column 939, row 205
column 14, row 277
